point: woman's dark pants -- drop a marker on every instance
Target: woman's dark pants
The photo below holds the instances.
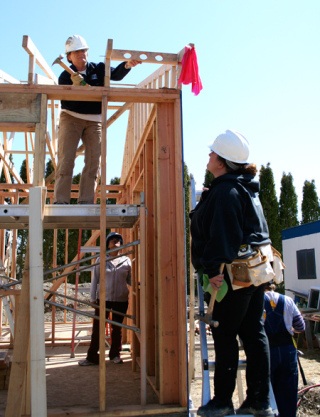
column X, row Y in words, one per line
column 116, row 331
column 240, row 313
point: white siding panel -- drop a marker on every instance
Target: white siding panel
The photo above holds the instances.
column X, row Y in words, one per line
column 290, row 248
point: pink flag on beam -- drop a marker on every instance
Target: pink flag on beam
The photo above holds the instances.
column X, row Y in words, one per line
column 190, row 70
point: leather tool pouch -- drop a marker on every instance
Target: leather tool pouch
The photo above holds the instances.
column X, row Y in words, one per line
column 252, row 270
column 240, row 274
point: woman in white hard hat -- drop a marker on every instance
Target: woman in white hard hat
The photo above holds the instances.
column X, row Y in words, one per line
column 229, row 219
column 81, row 120
column 118, row 277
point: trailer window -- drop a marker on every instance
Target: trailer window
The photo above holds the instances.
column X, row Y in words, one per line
column 306, row 264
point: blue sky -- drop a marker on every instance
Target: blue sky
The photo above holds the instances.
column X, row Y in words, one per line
column 258, row 61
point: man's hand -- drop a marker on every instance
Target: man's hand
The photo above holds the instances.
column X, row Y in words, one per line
column 132, row 63
column 77, row 79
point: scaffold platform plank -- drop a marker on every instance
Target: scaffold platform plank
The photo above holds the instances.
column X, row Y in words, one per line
column 70, row 216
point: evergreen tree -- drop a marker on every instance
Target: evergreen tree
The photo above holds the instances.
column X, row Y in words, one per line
column 49, row 168
column 310, row 203
column 23, row 234
column 22, row 238
column 23, row 171
column 288, row 203
column 75, row 180
column 270, row 206
column 8, row 233
column 2, row 176
column 114, row 181
column 48, row 233
column 4, row 181
column 288, row 209
column 208, row 178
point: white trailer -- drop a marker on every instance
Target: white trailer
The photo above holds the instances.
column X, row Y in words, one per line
column 301, row 255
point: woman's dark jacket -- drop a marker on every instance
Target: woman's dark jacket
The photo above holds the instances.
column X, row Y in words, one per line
column 228, row 215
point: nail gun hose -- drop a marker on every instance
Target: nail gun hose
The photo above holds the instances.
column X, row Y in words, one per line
column 305, row 391
column 302, row 372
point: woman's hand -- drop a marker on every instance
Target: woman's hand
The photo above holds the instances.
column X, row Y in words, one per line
column 216, row 281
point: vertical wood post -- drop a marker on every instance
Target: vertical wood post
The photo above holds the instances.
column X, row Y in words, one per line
column 18, row 374
column 37, row 336
column 40, row 144
column 180, row 242
column 143, row 327
column 103, row 226
column 107, row 63
column 149, row 266
column 170, row 265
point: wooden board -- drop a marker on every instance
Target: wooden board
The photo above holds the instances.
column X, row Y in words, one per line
column 17, row 107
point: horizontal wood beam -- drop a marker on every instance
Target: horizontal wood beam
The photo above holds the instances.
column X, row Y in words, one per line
column 4, row 292
column 121, row 411
column 17, row 127
column 144, row 56
column 113, row 94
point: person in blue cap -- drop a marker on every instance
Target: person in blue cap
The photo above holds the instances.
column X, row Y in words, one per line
column 118, row 280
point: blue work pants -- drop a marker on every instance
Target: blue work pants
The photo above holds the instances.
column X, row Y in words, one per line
column 284, row 379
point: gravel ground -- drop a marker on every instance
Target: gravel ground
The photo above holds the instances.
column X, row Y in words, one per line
column 309, row 400
column 309, row 395
column 70, row 290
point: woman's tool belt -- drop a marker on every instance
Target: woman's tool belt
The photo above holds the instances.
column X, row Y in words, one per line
column 254, row 269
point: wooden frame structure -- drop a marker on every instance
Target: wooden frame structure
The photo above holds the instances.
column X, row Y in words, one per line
column 151, row 190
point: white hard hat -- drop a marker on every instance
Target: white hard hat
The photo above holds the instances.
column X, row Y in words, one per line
column 231, row 146
column 75, row 43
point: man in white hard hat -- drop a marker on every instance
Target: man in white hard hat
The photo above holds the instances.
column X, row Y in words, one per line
column 227, row 222
column 81, row 120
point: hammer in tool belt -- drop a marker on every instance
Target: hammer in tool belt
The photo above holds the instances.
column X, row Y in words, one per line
column 64, row 66
column 207, row 318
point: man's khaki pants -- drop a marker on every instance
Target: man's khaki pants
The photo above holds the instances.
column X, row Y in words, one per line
column 71, row 130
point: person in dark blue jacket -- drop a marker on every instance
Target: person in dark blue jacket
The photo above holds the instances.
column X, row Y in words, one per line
column 227, row 222
column 282, row 320
column 81, row 120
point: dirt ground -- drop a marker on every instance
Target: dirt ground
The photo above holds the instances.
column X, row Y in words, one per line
column 70, row 385
column 309, row 400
